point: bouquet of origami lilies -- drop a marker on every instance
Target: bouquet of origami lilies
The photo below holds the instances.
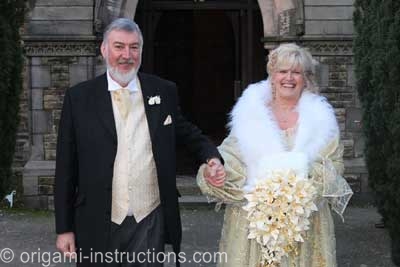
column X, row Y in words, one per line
column 279, row 208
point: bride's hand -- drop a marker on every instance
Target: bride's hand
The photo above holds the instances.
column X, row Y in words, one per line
column 214, row 172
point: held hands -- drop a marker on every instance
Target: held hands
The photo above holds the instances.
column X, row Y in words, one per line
column 214, row 172
column 66, row 244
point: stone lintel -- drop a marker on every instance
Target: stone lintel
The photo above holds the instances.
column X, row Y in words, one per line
column 56, row 47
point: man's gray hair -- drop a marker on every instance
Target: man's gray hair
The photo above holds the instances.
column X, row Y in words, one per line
column 123, row 24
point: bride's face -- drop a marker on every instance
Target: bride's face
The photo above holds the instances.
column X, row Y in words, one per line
column 288, row 82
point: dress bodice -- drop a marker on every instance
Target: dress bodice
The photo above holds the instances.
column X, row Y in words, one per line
column 288, row 136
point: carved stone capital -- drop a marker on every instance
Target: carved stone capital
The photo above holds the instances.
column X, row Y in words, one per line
column 318, row 46
column 325, row 48
column 60, row 48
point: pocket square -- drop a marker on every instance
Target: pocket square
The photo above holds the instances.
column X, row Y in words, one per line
column 168, row 120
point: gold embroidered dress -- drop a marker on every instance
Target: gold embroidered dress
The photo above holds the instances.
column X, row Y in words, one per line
column 244, row 147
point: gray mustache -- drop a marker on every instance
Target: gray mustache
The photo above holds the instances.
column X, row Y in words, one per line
column 125, row 61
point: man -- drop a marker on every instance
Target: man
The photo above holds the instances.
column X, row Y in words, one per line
column 115, row 172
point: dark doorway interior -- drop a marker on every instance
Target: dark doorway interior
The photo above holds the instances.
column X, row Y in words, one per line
column 195, row 49
column 210, row 52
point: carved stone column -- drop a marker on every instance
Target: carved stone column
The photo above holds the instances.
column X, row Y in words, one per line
column 108, row 10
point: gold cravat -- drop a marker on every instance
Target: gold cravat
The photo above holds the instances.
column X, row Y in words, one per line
column 123, row 101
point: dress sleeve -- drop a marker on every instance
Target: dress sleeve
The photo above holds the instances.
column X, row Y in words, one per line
column 327, row 171
column 235, row 170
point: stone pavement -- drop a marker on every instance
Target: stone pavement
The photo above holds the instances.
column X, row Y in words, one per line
column 359, row 243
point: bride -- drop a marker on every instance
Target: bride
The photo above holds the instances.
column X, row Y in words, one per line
column 274, row 122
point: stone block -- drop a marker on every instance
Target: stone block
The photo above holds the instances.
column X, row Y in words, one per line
column 31, row 173
column 36, row 202
column 53, row 99
column 45, row 180
column 50, row 154
column 328, row 2
column 64, row 3
column 36, row 61
column 40, row 76
column 30, row 184
column 50, row 141
column 354, row 119
column 328, row 60
column 351, row 80
column 62, row 13
column 355, row 165
column 82, row 27
column 347, row 97
column 322, row 74
column 337, row 83
column 359, row 146
column 335, row 75
column 340, row 114
column 46, row 190
column 37, row 98
column 31, row 202
column 56, row 120
column 338, row 67
column 37, row 147
column 342, row 127
column 77, row 74
column 59, row 62
column 61, row 68
column 329, row 12
column 348, row 148
column 50, row 202
column 331, row 27
column 347, row 60
column 82, row 61
column 41, row 121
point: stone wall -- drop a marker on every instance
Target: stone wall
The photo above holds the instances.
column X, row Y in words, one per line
column 60, row 51
column 329, row 26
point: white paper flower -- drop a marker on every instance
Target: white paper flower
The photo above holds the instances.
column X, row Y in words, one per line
column 154, row 100
column 278, row 212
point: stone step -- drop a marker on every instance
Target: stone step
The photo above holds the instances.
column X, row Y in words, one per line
column 190, row 192
column 187, row 185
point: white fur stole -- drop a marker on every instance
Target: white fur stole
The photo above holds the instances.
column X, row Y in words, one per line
column 259, row 136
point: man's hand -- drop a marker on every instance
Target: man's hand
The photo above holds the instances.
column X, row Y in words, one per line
column 66, row 244
column 214, row 173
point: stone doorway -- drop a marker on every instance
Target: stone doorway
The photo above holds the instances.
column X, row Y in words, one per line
column 210, row 51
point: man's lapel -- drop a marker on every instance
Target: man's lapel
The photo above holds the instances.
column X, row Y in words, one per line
column 149, row 90
column 104, row 106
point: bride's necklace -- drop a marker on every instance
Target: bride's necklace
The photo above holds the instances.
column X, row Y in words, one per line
column 282, row 114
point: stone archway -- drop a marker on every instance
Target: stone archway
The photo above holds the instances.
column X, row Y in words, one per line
column 280, row 17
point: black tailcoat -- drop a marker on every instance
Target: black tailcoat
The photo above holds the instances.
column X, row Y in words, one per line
column 86, row 149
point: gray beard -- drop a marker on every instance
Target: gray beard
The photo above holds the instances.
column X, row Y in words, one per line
column 122, row 78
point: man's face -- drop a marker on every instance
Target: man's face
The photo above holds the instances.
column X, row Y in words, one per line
column 122, row 53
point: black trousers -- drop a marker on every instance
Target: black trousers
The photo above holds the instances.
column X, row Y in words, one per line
column 138, row 244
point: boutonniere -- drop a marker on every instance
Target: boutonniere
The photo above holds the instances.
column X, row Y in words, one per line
column 154, row 100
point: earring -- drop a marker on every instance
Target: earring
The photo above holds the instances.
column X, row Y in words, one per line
column 273, row 91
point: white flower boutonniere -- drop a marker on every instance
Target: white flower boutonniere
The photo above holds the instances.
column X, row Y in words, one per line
column 154, row 100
